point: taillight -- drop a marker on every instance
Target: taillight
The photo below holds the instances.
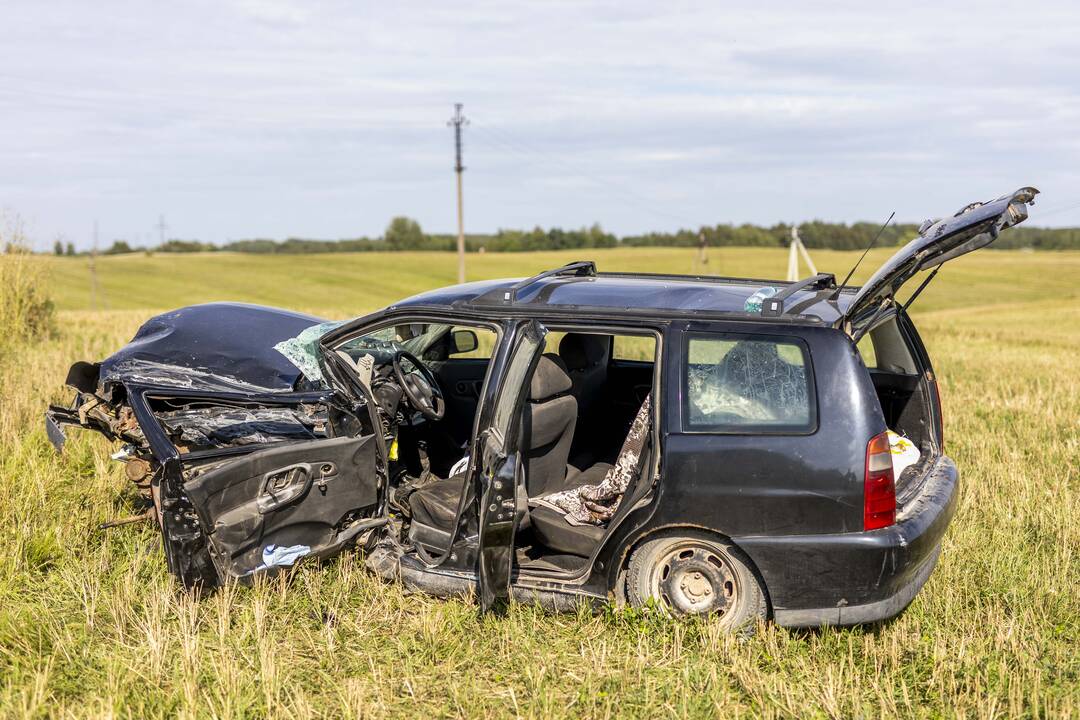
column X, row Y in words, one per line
column 879, row 487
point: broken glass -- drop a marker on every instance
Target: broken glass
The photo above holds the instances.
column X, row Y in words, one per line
column 303, row 350
column 743, row 383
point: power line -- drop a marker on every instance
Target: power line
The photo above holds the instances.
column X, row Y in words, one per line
column 628, row 195
column 1056, row 210
column 639, row 201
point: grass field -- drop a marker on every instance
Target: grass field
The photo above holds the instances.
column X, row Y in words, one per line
column 91, row 624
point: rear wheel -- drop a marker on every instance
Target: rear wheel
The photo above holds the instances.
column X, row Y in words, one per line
column 696, row 574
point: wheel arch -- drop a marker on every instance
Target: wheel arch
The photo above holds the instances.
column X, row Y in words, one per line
column 635, row 541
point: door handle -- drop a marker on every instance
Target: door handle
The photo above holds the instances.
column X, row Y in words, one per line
column 468, row 388
column 283, row 486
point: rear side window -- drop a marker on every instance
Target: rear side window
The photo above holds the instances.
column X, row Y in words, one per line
column 633, row 348
column 746, row 384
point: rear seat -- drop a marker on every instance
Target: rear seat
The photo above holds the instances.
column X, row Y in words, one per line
column 552, row 529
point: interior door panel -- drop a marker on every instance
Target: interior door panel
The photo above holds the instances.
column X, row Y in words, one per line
column 292, row 495
column 461, row 381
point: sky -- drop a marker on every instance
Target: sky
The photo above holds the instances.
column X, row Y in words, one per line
column 238, row 119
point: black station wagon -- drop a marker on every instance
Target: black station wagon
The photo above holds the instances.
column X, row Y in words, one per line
column 742, row 448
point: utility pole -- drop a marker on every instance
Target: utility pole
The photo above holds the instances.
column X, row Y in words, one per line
column 795, row 249
column 161, row 227
column 457, row 122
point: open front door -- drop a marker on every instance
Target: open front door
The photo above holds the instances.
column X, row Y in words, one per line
column 274, row 506
column 500, row 485
column 973, row 227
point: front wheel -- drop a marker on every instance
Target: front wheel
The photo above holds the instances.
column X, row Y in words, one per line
column 696, row 574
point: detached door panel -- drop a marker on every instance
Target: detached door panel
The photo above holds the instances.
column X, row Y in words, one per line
column 295, row 495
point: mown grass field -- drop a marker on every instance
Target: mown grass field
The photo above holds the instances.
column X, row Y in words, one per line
column 91, row 624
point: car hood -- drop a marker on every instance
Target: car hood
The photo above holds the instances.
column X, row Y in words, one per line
column 221, row 346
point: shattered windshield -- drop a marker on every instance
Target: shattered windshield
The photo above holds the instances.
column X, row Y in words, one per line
column 303, row 350
column 415, row 338
column 383, row 344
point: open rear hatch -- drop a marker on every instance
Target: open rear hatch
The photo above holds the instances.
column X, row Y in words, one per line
column 974, row 226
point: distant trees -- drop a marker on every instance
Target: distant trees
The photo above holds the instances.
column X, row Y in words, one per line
column 540, row 239
column 119, row 247
column 184, row 246
column 814, row 234
column 404, row 233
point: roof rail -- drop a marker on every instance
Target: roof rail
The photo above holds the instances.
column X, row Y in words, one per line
column 584, row 268
column 774, row 306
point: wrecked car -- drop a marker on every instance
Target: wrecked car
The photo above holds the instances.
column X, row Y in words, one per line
column 686, row 442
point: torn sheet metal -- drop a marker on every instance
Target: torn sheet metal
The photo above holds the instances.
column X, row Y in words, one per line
column 204, row 345
column 225, row 426
column 145, row 372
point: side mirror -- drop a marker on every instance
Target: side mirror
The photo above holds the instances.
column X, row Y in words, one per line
column 464, row 341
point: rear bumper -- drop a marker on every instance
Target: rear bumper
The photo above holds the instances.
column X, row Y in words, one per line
column 860, row 577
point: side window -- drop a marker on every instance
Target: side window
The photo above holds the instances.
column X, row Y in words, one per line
column 515, row 381
column 885, row 349
column 632, row 347
column 867, row 352
column 743, row 384
column 456, row 342
column 552, row 341
column 472, row 343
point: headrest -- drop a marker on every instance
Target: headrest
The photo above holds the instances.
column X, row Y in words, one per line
column 549, row 380
column 580, row 350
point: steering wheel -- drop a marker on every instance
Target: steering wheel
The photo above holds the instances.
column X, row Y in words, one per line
column 422, row 389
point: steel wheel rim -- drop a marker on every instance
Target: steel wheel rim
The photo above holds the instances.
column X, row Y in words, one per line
column 693, row 578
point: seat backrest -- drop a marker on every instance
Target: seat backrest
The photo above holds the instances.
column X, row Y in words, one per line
column 585, row 357
column 548, row 426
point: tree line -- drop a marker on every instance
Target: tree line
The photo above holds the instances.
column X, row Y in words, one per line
column 404, row 233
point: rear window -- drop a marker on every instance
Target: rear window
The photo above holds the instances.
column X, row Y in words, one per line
column 743, row 384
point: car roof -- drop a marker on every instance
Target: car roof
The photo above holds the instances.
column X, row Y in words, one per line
column 637, row 294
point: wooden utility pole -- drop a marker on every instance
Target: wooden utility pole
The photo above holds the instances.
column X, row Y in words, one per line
column 794, row 251
column 457, row 122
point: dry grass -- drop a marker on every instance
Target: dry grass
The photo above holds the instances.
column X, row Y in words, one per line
column 26, row 312
column 92, row 625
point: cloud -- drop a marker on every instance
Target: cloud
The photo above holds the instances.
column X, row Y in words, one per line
column 325, row 118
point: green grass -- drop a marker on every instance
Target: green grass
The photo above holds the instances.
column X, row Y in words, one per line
column 91, row 624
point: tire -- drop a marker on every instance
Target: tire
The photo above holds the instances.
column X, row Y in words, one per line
column 695, row 574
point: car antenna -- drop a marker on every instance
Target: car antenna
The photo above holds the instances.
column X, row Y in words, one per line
column 852, row 271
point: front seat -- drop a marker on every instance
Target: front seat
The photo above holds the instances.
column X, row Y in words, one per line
column 547, row 431
column 586, row 358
